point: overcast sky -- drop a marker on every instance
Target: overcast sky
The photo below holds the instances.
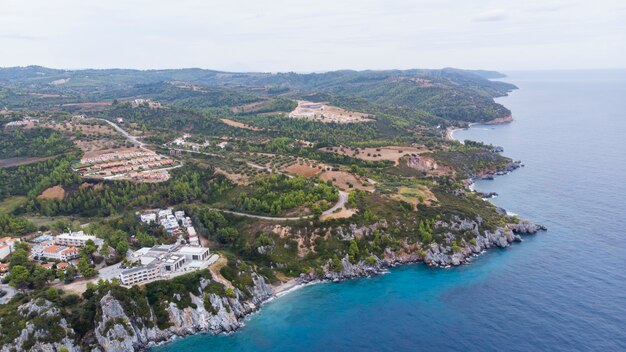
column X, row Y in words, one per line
column 300, row 35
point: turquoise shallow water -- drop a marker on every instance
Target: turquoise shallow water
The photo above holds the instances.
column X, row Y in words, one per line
column 563, row 290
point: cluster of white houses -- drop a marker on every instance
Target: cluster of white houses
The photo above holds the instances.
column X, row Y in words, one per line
column 64, row 246
column 173, row 222
column 163, row 261
column 7, row 245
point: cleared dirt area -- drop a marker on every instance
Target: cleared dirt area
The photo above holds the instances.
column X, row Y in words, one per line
column 55, row 192
column 250, row 106
column 89, row 137
column 391, row 153
column 415, row 195
column 91, row 104
column 241, row 125
column 346, row 181
column 343, row 213
column 22, row 161
column 8, row 205
column 215, row 271
column 323, row 112
column 304, row 170
column 238, row 179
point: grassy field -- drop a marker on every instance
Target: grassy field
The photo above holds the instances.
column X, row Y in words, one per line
column 8, row 205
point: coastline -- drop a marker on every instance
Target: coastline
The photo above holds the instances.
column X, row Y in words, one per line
column 435, row 256
column 449, row 135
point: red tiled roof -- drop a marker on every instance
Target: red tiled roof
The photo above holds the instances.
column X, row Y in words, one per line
column 52, row 249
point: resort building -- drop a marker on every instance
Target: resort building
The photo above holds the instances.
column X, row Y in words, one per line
column 77, row 239
column 163, row 261
column 140, row 274
column 7, row 245
column 4, row 268
column 61, row 253
column 5, row 251
column 148, row 218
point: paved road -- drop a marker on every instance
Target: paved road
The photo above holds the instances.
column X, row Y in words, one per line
column 129, row 136
column 343, row 196
column 264, row 217
column 11, row 292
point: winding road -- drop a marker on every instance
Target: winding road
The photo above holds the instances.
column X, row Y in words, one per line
column 128, row 136
column 341, row 202
column 10, row 293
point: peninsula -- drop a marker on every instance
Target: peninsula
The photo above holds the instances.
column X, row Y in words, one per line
column 138, row 206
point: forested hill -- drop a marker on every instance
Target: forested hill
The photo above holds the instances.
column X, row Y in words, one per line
column 452, row 94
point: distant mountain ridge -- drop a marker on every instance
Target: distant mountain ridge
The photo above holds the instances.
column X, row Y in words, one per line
column 449, row 93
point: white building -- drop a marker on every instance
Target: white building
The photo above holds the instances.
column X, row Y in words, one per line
column 187, row 221
column 148, row 218
column 7, row 245
column 160, row 261
column 194, row 253
column 61, row 253
column 78, row 239
column 140, row 274
column 4, row 251
column 173, row 263
column 9, row 241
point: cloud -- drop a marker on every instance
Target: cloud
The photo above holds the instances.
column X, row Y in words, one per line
column 491, row 16
column 17, row 36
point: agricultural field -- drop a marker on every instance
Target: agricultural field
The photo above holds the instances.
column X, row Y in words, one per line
column 92, row 137
column 390, row 153
column 241, row 125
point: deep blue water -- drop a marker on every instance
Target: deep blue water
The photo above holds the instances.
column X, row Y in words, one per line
column 562, row 290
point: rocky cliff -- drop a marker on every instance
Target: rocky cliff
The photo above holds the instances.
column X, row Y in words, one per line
column 120, row 327
column 45, row 330
column 118, row 332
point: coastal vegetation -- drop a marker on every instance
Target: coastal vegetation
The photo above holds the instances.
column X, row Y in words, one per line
column 276, row 198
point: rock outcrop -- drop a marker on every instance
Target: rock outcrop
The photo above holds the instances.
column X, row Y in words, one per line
column 37, row 338
column 118, row 332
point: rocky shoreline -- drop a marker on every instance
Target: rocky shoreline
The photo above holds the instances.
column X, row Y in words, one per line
column 117, row 331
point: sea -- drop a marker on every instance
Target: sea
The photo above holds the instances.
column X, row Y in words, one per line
column 560, row 290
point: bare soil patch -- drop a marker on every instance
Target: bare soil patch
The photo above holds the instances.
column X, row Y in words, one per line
column 55, row 192
column 391, row 153
column 343, row 213
column 415, row 195
column 346, row 181
column 89, row 137
column 304, row 170
column 238, row 179
column 241, row 125
column 22, row 161
column 322, row 112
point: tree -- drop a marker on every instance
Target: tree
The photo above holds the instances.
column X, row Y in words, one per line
column 337, row 266
column 353, row 251
column 70, row 274
column 40, row 277
column 85, row 269
column 19, row 276
column 20, row 255
column 425, row 232
column 317, row 211
column 89, row 249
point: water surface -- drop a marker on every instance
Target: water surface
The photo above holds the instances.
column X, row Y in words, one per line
column 563, row 290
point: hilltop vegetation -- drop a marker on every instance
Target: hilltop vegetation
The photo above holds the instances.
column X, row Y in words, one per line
column 277, row 196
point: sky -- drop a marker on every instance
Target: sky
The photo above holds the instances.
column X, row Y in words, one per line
column 311, row 36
